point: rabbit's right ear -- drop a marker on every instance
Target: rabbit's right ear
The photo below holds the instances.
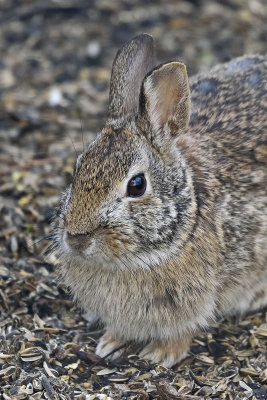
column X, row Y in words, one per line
column 133, row 61
column 165, row 104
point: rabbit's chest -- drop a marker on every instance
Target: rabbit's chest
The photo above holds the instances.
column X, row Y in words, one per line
column 132, row 304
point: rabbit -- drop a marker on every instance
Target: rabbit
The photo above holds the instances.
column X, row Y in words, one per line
column 164, row 227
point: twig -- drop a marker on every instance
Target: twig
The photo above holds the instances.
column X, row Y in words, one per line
column 193, row 376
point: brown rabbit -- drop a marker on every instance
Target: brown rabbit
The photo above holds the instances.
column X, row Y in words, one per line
column 164, row 227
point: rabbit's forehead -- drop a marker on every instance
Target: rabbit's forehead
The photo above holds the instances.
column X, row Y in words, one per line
column 109, row 159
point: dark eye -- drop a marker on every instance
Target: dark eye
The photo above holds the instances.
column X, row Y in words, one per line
column 136, row 186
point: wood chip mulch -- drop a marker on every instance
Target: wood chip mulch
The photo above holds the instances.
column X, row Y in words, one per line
column 47, row 349
column 54, row 75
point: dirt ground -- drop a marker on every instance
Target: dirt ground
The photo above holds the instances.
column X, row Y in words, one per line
column 55, row 63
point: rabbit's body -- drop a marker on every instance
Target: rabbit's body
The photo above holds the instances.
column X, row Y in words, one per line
column 158, row 266
column 230, row 143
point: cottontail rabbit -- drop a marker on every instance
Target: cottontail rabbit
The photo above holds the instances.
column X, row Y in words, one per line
column 164, row 227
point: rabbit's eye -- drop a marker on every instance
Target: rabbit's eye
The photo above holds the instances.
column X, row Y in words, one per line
column 136, row 186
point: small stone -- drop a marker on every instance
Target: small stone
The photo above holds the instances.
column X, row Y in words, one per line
column 93, row 49
column 13, row 244
column 23, row 201
column 7, row 79
column 55, row 97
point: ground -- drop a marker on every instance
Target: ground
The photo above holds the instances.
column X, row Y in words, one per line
column 55, row 65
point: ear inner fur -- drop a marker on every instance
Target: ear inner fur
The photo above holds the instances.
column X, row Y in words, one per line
column 165, row 101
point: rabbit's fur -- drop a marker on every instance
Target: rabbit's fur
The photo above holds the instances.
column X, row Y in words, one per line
column 158, row 267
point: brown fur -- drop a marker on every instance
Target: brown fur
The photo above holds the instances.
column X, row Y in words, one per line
column 161, row 266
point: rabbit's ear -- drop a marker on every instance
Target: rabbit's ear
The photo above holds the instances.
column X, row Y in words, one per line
column 165, row 102
column 133, row 61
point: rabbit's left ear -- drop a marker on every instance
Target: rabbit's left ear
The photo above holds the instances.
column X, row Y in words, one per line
column 165, row 102
column 133, row 61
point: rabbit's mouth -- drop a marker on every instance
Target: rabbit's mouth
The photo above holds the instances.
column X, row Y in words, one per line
column 107, row 249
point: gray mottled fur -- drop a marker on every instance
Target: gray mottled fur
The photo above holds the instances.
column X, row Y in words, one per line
column 159, row 267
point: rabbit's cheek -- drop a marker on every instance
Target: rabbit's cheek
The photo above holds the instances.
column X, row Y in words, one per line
column 113, row 244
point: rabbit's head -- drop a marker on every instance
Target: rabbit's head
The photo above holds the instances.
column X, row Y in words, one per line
column 131, row 203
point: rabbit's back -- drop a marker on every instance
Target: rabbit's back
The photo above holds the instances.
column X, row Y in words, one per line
column 228, row 109
column 228, row 135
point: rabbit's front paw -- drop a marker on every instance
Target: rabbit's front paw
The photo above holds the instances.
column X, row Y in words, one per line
column 166, row 354
column 107, row 344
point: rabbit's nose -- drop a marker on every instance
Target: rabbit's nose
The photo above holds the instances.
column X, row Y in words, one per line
column 78, row 242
